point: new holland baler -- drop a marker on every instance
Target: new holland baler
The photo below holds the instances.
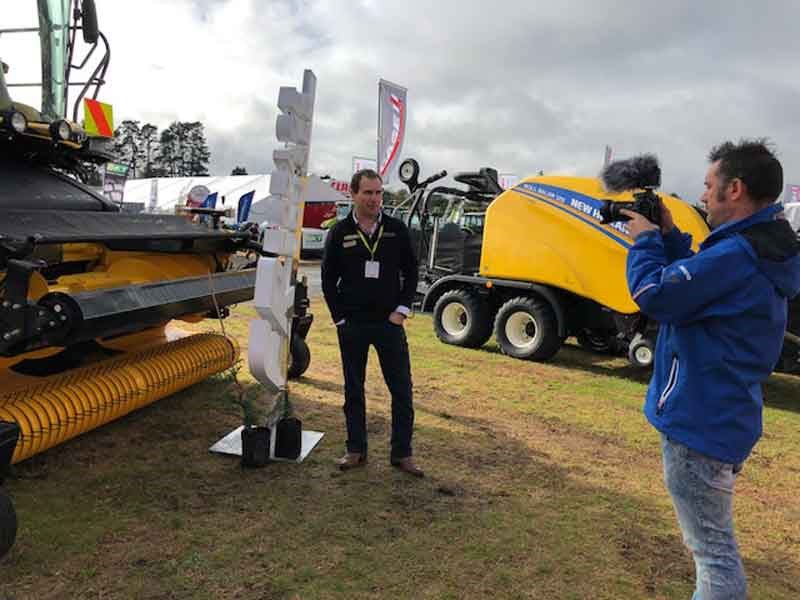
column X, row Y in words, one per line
column 549, row 268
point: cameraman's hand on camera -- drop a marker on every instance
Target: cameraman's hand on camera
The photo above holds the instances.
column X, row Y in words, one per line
column 667, row 224
column 638, row 224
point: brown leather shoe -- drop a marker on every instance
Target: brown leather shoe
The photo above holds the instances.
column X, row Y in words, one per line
column 351, row 460
column 407, row 466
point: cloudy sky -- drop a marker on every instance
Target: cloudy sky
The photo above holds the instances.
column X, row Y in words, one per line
column 521, row 86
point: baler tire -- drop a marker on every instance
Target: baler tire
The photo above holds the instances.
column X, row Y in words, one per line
column 642, row 353
column 465, row 309
column 590, row 340
column 527, row 328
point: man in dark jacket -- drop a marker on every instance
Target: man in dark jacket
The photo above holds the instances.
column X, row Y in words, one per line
column 722, row 315
column 369, row 278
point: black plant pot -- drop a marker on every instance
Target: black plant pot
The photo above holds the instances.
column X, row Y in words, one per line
column 255, row 446
column 288, row 438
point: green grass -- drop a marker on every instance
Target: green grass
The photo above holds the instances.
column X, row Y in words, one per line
column 544, row 481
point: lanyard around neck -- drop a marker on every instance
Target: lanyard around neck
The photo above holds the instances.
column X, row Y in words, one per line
column 371, row 249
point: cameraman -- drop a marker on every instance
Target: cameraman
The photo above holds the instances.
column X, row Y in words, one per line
column 722, row 313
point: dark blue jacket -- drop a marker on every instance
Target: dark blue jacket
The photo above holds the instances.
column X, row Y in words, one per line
column 348, row 293
column 722, row 315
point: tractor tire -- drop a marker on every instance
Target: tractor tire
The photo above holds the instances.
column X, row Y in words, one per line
column 299, row 357
column 462, row 318
column 8, row 523
column 642, row 352
column 527, row 328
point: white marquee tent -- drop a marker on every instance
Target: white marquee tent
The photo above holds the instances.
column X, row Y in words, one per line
column 172, row 191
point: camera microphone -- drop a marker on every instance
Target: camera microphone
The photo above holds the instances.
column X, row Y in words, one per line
column 639, row 172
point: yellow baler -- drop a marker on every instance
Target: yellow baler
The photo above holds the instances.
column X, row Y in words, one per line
column 549, row 269
column 547, row 230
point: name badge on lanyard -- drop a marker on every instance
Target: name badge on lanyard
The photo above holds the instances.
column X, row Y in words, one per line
column 372, row 267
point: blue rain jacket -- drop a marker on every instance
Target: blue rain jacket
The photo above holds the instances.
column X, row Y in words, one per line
column 722, row 314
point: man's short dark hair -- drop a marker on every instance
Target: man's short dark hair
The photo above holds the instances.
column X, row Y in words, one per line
column 754, row 164
column 355, row 182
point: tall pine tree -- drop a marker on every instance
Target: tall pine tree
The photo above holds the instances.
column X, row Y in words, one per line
column 183, row 151
column 149, row 149
column 127, row 145
column 180, row 150
column 170, row 149
column 196, row 153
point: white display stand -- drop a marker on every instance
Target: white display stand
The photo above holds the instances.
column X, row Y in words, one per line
column 276, row 273
column 232, row 444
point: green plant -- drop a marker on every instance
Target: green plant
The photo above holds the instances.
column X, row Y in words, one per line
column 246, row 398
column 253, row 400
column 282, row 407
column 251, row 413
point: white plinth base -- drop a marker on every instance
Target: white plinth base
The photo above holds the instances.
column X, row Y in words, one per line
column 232, row 444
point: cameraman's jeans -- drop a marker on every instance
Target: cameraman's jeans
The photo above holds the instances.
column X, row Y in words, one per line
column 702, row 493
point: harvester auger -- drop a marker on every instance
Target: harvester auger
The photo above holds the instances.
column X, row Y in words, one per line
column 86, row 291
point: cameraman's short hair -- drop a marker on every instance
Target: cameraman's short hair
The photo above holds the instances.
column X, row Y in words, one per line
column 753, row 162
column 355, row 182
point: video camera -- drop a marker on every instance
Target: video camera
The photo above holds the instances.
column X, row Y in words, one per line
column 638, row 173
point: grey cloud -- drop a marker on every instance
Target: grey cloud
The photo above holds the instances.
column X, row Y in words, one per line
column 525, row 86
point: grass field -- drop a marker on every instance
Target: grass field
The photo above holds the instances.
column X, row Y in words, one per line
column 543, row 481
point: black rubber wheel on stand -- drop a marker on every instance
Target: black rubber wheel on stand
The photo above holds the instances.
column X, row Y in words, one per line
column 299, row 357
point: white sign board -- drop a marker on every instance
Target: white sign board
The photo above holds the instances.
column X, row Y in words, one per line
column 507, row 180
column 360, row 163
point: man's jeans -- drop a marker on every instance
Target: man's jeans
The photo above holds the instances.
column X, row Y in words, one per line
column 390, row 342
column 702, row 492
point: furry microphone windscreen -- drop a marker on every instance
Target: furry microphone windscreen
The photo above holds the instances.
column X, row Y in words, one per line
column 634, row 173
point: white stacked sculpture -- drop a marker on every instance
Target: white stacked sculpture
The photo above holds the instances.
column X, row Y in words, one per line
column 276, row 274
